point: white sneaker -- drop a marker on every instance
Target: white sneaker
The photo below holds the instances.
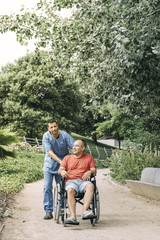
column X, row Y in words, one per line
column 87, row 214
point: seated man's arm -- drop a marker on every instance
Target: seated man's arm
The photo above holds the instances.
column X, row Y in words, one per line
column 89, row 173
column 62, row 172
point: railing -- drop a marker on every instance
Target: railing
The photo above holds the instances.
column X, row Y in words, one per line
column 35, row 144
column 99, row 153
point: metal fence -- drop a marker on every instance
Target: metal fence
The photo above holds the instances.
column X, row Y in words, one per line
column 99, row 153
column 35, row 144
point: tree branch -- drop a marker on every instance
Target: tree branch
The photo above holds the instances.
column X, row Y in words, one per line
column 158, row 10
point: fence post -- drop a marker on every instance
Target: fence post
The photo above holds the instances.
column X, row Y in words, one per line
column 25, row 141
column 106, row 154
column 98, row 153
column 38, row 147
column 89, row 149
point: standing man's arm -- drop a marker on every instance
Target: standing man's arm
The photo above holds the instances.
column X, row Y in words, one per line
column 62, row 172
column 54, row 156
column 69, row 140
column 48, row 148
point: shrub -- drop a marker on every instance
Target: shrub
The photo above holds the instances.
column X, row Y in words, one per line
column 129, row 164
column 25, row 168
column 101, row 164
column 6, row 139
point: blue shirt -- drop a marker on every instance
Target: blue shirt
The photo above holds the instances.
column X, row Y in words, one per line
column 59, row 146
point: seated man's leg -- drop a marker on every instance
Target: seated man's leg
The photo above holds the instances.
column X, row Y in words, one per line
column 71, row 189
column 88, row 188
column 71, row 202
column 88, row 196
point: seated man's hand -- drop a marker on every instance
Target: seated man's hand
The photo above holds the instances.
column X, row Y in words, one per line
column 64, row 174
column 86, row 175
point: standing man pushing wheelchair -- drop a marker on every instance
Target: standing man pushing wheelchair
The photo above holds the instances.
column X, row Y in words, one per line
column 77, row 169
column 55, row 145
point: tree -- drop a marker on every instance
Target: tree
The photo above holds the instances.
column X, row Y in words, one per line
column 111, row 48
column 116, row 125
column 35, row 89
column 122, row 126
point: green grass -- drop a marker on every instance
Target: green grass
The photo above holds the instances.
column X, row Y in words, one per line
column 25, row 168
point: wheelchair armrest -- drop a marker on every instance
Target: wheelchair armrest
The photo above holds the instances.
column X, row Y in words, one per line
column 62, row 183
column 92, row 177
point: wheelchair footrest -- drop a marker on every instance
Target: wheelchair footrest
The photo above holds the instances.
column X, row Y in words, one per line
column 71, row 223
column 89, row 217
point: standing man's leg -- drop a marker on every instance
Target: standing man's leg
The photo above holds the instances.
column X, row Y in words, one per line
column 58, row 178
column 48, row 195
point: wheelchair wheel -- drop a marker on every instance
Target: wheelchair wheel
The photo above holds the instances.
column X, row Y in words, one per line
column 57, row 198
column 92, row 221
column 97, row 204
column 93, row 207
column 64, row 215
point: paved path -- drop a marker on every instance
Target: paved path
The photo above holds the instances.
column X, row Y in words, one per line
column 124, row 216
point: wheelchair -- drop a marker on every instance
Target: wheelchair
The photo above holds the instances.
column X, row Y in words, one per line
column 60, row 195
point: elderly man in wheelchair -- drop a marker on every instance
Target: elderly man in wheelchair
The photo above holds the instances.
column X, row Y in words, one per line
column 77, row 170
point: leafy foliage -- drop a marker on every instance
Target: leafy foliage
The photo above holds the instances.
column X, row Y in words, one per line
column 35, row 89
column 122, row 126
column 25, row 168
column 6, row 138
column 112, row 49
column 129, row 164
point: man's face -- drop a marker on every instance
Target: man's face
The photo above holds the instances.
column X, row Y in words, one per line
column 53, row 128
column 78, row 147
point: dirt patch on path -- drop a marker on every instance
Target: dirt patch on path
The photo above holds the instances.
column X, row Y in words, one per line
column 124, row 216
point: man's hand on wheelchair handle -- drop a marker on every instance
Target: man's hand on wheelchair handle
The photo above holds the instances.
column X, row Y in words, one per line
column 64, row 174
